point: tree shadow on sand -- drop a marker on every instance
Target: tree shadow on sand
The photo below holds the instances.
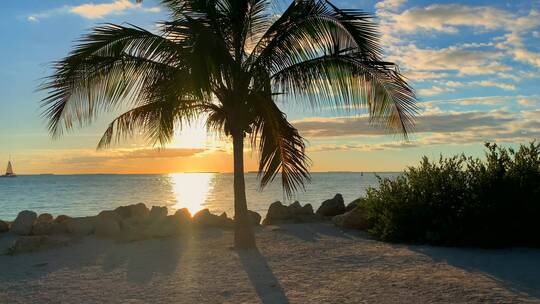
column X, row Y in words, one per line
column 312, row 232
column 262, row 278
column 517, row 268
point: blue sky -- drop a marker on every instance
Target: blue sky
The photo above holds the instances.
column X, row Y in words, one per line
column 474, row 64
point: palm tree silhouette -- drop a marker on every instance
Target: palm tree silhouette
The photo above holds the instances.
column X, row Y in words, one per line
column 229, row 61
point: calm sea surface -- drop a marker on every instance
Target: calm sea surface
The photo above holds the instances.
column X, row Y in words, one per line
column 80, row 195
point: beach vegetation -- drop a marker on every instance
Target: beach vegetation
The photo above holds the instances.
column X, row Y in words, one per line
column 462, row 200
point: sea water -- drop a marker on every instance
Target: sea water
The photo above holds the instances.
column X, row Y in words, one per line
column 82, row 195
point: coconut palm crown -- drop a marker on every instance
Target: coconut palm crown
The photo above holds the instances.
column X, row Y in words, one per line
column 229, row 62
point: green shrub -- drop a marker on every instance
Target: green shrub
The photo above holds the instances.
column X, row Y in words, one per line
column 462, row 200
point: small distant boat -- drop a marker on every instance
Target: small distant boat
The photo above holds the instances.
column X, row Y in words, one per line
column 9, row 170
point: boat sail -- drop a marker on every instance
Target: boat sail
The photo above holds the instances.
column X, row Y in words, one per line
column 9, row 170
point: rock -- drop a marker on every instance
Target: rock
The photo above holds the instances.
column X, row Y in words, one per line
column 4, row 227
column 294, row 213
column 81, row 225
column 136, row 210
column 107, row 226
column 61, row 218
column 332, row 207
column 24, row 222
column 45, row 217
column 295, row 205
column 158, row 213
column 353, row 204
column 183, row 213
column 255, row 218
column 110, row 215
column 47, row 228
column 34, row 243
column 206, row 219
column 277, row 212
column 354, row 219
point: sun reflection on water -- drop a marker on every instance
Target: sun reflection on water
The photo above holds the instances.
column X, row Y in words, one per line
column 191, row 190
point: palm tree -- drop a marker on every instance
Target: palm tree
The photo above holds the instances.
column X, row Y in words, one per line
column 229, row 62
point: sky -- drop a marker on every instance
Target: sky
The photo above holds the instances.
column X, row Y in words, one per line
column 475, row 66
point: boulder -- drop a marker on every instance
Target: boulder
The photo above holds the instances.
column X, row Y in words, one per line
column 61, row 218
column 204, row 218
column 46, row 228
column 158, row 213
column 81, row 225
column 24, row 222
column 45, row 217
column 109, row 214
column 332, row 207
column 136, row 210
column 277, row 212
column 33, row 243
column 183, row 213
column 4, row 227
column 254, row 217
column 353, row 204
column 107, row 226
column 354, row 219
column 294, row 213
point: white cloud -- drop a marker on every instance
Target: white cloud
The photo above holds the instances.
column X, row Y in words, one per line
column 453, row 58
column 435, row 90
column 528, row 102
column 95, row 11
column 389, row 4
column 481, row 83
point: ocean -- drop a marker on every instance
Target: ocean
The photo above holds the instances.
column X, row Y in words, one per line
column 82, row 195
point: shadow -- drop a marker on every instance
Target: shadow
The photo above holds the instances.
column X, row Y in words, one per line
column 262, row 278
column 141, row 259
column 312, row 232
column 517, row 269
column 144, row 259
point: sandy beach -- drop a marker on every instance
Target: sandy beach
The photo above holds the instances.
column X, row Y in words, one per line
column 295, row 263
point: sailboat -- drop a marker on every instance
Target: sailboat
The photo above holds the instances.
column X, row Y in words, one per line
column 9, row 170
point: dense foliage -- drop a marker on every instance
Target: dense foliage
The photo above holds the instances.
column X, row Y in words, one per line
column 462, row 200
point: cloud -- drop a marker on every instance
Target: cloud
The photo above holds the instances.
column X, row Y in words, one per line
column 126, row 154
column 402, row 28
column 94, row 11
column 389, row 5
column 435, row 123
column 528, row 102
column 435, row 90
column 448, row 17
column 453, row 58
column 437, row 129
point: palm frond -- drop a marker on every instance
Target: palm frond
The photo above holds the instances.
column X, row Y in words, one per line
column 109, row 66
column 281, row 148
column 345, row 81
column 156, row 120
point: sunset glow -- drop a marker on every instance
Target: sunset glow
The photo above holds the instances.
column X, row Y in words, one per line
column 191, row 190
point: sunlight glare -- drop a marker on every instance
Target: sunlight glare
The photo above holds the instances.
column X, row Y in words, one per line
column 191, row 190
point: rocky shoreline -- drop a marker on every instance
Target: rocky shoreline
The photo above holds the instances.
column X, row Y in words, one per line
column 138, row 222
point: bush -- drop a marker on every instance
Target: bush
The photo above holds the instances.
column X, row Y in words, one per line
column 462, row 200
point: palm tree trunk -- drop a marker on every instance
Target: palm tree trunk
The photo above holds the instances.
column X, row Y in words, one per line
column 243, row 232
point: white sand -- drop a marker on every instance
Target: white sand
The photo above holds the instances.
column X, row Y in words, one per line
column 305, row 263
